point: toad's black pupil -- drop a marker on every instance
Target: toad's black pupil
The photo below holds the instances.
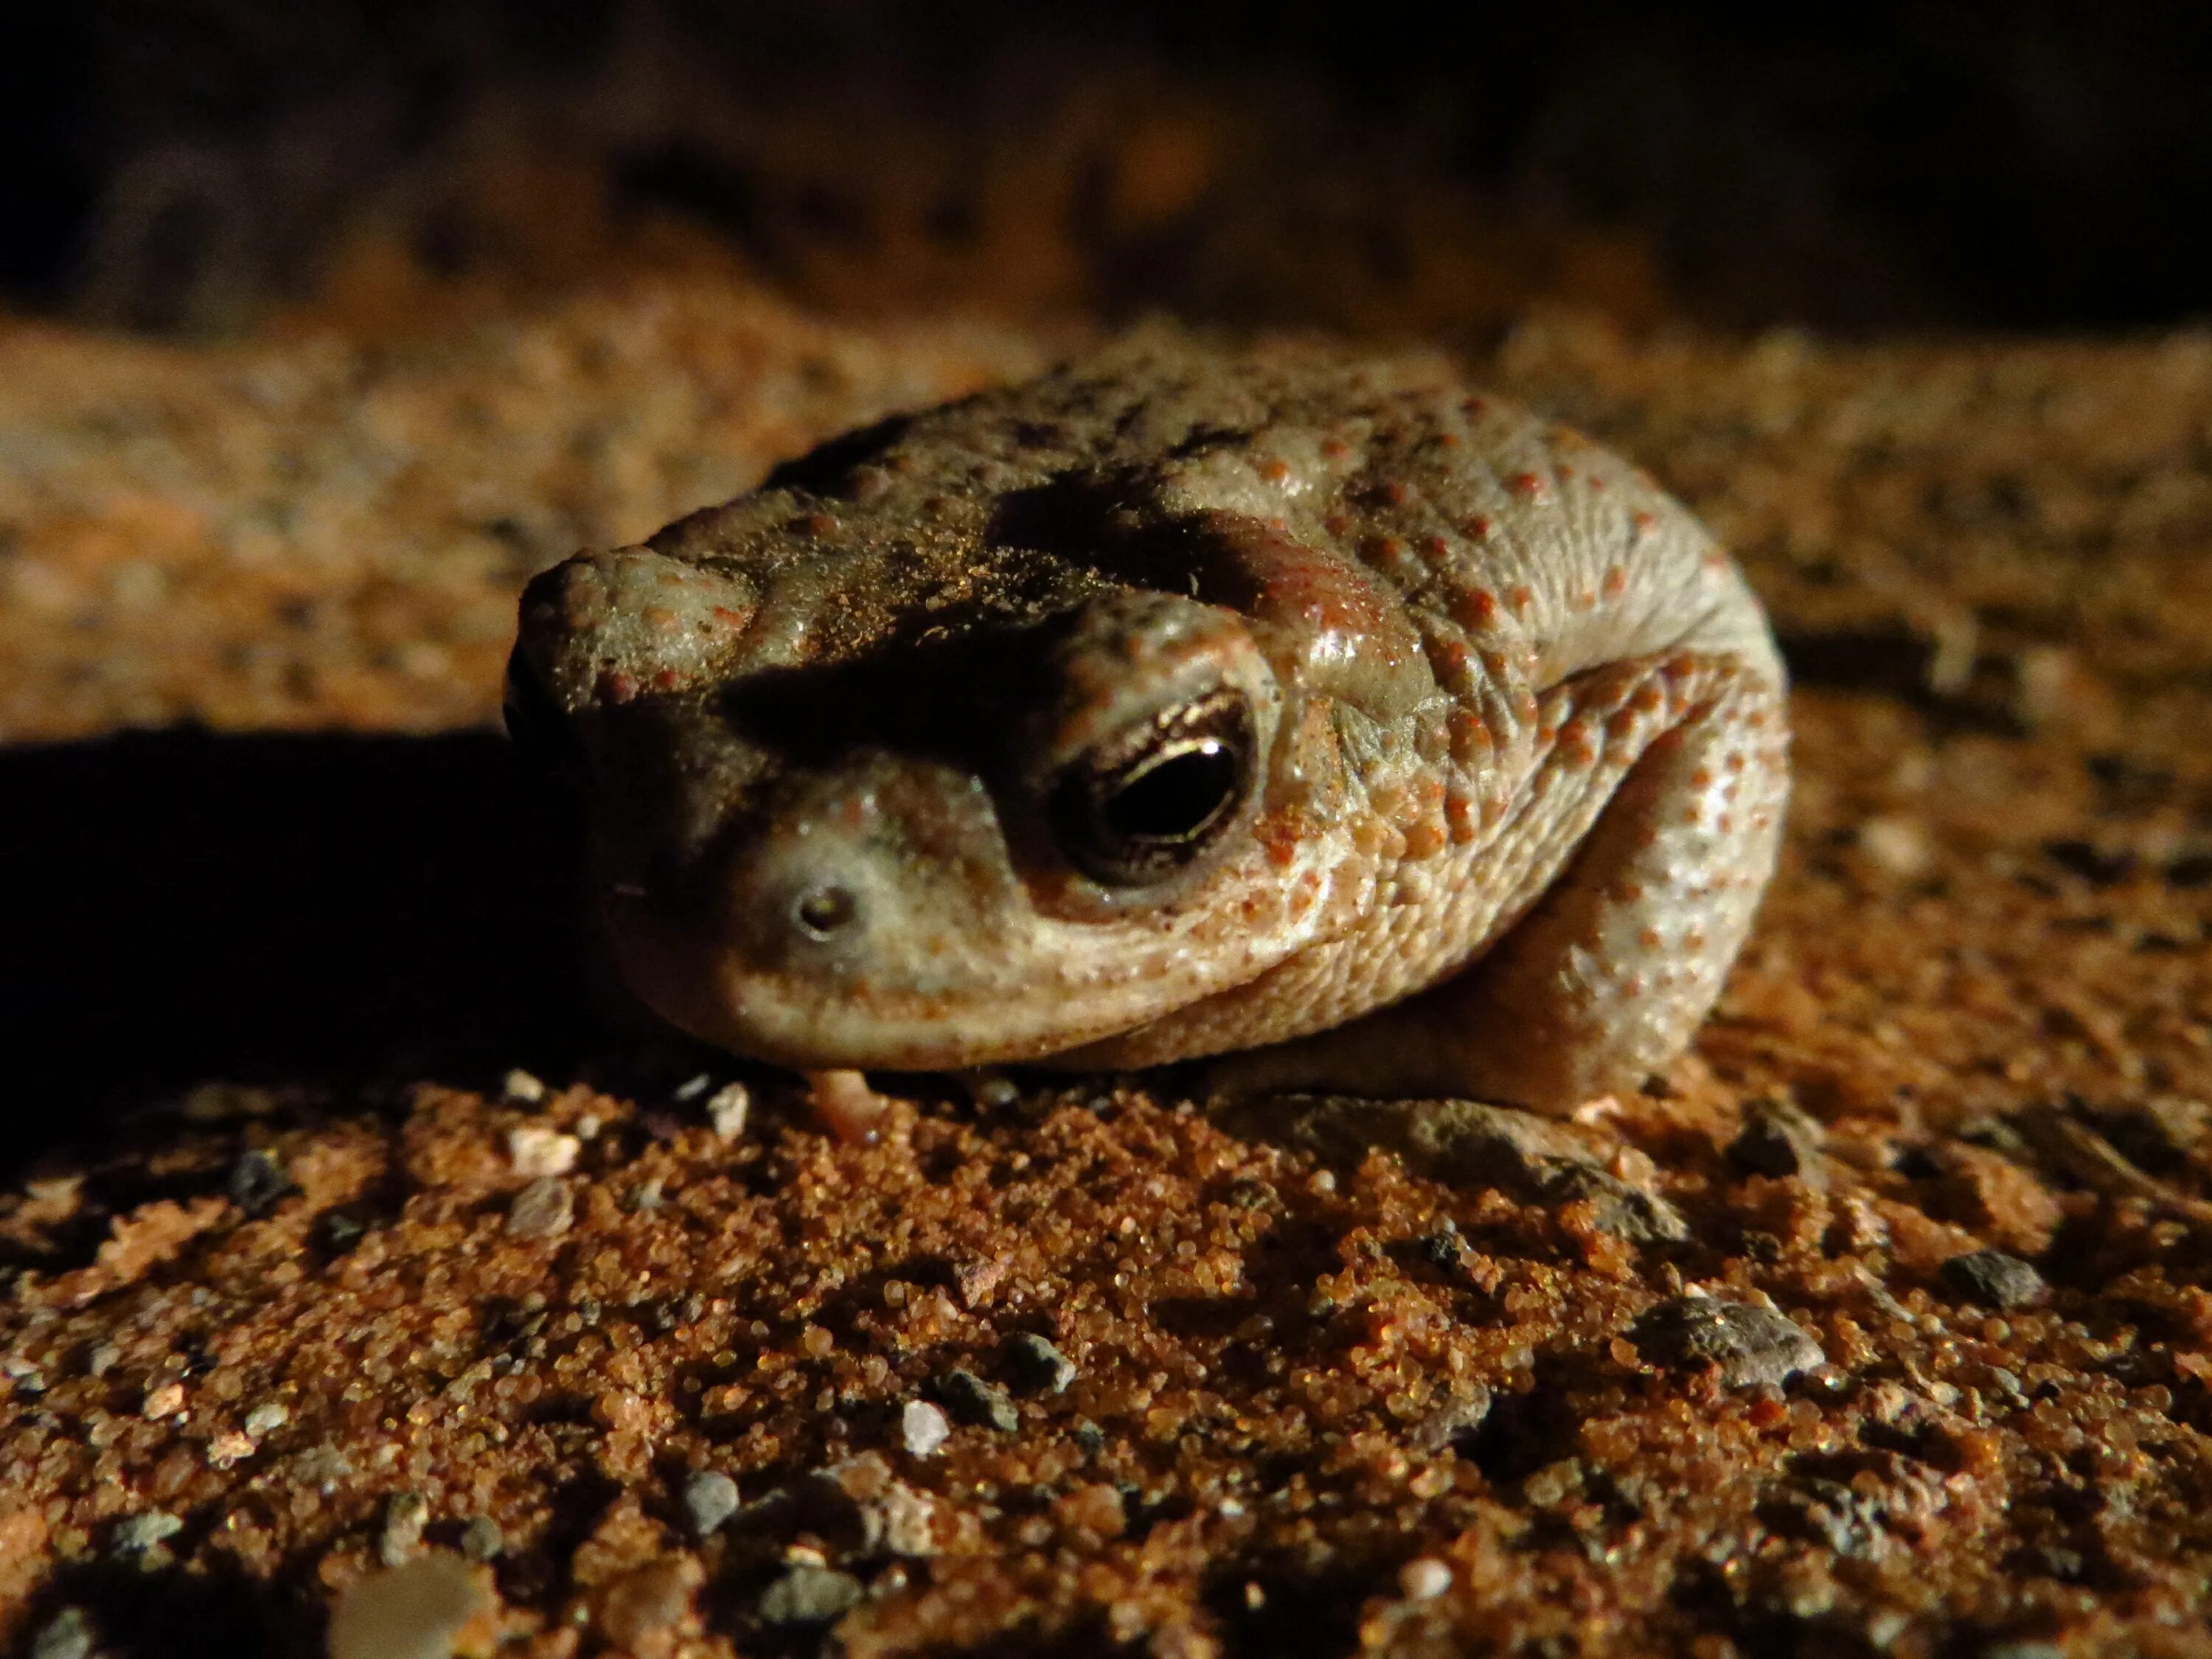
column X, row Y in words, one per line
column 1176, row 796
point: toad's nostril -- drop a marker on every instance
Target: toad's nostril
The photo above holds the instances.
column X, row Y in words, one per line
column 824, row 910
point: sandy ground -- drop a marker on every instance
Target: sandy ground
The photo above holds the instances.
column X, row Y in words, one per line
column 1082, row 1371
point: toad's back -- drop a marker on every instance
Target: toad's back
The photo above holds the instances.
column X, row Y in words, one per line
column 1173, row 704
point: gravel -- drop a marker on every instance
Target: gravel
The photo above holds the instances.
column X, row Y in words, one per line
column 257, row 1182
column 543, row 1209
column 533, row 1149
column 137, row 1534
column 923, row 1427
column 67, row 1635
column 1749, row 1345
column 404, row 1517
column 1995, row 1279
column 727, row 1110
column 1036, row 1366
column 710, row 1497
column 1781, row 1140
column 973, row 1401
column 1454, row 1423
column 809, row 1596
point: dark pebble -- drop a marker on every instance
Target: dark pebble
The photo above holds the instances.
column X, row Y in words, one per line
column 1779, row 1140
column 1037, row 1367
column 1749, row 1345
column 258, row 1184
column 340, row 1231
column 973, row 1401
column 1995, row 1279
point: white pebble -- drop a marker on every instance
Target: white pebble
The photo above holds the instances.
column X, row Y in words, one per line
column 728, row 1108
column 1897, row 843
column 1424, row 1578
column 520, row 1085
column 925, row 1428
column 535, row 1151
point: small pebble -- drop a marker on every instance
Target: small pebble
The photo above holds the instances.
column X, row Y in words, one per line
column 710, row 1497
column 691, row 1088
column 1037, row 1367
column 136, row 1535
column 1454, row 1423
column 418, row 1611
column 481, row 1539
column 404, row 1517
column 1748, row 1344
column 167, row 1401
column 30, row 1382
column 340, row 1231
column 1897, row 843
column 522, row 1088
column 905, row 1520
column 534, row 1150
column 1995, row 1279
column 809, row 1596
column 728, row 1108
column 1781, row 1140
column 267, row 1419
column 977, row 1279
column 256, row 1183
column 972, row 1399
column 1424, row 1578
column 543, row 1209
column 992, row 1090
column 923, row 1427
column 67, row 1635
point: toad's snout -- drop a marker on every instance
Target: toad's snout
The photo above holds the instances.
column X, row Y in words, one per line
column 846, row 916
column 603, row 630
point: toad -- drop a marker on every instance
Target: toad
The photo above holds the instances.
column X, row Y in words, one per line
column 1314, row 715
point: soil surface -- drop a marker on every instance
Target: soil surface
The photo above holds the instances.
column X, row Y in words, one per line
column 1879, row 1322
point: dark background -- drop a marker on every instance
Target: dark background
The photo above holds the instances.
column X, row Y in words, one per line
column 176, row 163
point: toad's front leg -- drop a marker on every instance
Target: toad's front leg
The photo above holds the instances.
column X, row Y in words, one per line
column 1628, row 872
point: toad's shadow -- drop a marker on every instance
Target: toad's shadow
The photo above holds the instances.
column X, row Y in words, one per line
column 177, row 906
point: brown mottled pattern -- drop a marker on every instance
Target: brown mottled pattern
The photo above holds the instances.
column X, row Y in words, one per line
column 1506, row 691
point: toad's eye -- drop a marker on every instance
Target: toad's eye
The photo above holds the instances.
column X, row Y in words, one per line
column 1148, row 801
